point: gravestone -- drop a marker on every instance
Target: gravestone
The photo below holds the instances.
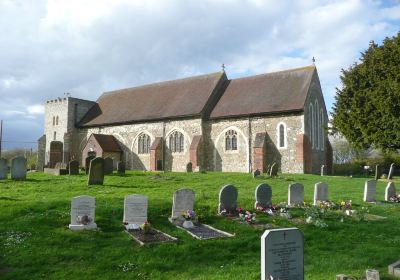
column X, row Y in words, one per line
column 3, row 169
column 96, row 172
column 189, row 167
column 108, row 166
column 60, row 165
column 18, row 168
column 135, row 209
column 377, row 172
column 121, row 168
column 390, row 191
column 296, row 194
column 391, row 170
column 393, row 266
column 263, row 196
column 183, row 200
column 370, row 191
column 274, row 170
column 87, row 163
column 323, row 170
column 228, row 198
column 73, row 167
column 372, row 274
column 320, row 192
column 256, row 173
column 83, row 213
column 282, row 254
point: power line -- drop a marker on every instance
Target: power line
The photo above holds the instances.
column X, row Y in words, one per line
column 26, row 142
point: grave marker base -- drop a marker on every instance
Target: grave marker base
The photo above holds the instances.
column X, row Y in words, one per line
column 155, row 236
column 201, row 231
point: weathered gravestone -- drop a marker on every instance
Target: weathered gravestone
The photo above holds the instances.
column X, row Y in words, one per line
column 135, row 210
column 3, row 169
column 83, row 213
column 296, row 194
column 372, row 274
column 228, row 199
column 256, row 173
column 274, row 170
column 282, row 254
column 391, row 170
column 189, row 167
column 60, row 165
column 87, row 163
column 96, row 171
column 390, row 191
column 73, row 167
column 320, row 192
column 121, row 168
column 18, row 168
column 263, row 196
column 370, row 191
column 377, row 172
column 393, row 266
column 323, row 170
column 108, row 166
column 183, row 200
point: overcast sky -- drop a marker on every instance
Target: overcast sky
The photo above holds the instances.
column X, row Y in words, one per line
column 86, row 47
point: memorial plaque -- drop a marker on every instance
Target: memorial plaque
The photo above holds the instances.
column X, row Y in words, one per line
column 228, row 198
column 296, row 194
column 83, row 213
column 135, row 209
column 183, row 200
column 263, row 196
column 320, row 192
column 370, row 191
column 282, row 254
column 3, row 169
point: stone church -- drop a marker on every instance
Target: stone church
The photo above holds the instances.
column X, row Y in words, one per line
column 206, row 122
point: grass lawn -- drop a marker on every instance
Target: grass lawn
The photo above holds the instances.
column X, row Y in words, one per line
column 35, row 242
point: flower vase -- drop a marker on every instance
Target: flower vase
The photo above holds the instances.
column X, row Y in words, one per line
column 188, row 224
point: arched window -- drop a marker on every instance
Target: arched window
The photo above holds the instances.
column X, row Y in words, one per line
column 144, row 144
column 176, row 142
column 281, row 135
column 54, row 136
column 57, row 120
column 231, row 140
column 311, row 124
column 321, row 118
column 54, row 120
column 317, row 126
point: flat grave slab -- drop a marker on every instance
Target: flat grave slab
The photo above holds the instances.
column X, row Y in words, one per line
column 202, row 231
column 153, row 237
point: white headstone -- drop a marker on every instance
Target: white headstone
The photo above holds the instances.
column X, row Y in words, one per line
column 370, row 191
column 282, row 255
column 390, row 191
column 83, row 213
column 135, row 209
column 372, row 274
column 183, row 200
column 320, row 192
column 263, row 196
column 296, row 194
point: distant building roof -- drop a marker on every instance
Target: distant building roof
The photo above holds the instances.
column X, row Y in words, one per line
column 170, row 99
column 276, row 92
column 108, row 143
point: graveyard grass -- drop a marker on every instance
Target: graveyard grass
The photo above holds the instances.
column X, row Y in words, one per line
column 36, row 243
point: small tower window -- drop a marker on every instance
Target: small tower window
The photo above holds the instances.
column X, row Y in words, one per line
column 55, row 136
column 231, row 140
column 281, row 135
column 144, row 144
column 57, row 120
column 176, row 142
column 54, row 120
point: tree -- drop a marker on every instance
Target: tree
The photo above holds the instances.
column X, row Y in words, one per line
column 343, row 152
column 367, row 108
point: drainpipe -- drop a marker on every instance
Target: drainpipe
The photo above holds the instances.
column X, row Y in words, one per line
column 250, row 138
column 163, row 147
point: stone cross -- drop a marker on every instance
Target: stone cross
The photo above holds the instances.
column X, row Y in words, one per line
column 83, row 213
column 183, row 200
column 390, row 191
column 135, row 209
column 3, row 169
column 391, row 170
column 108, row 166
column 263, row 196
column 18, row 168
column 73, row 167
column 320, row 192
column 296, row 194
column 282, row 254
column 370, row 191
column 96, row 172
column 228, row 198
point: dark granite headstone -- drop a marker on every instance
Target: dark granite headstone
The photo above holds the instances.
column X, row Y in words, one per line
column 96, row 171
column 18, row 168
column 3, row 169
column 256, row 173
column 108, row 166
column 228, row 198
column 73, row 167
column 263, row 196
column 121, row 168
column 189, row 167
column 87, row 163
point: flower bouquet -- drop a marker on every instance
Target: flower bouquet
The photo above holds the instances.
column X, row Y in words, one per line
column 189, row 216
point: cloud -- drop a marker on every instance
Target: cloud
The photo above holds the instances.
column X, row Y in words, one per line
column 88, row 47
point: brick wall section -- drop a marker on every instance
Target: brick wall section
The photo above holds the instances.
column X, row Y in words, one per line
column 194, row 151
column 303, row 152
column 155, row 153
column 259, row 160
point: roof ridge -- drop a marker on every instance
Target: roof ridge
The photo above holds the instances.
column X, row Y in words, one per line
column 310, row 67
